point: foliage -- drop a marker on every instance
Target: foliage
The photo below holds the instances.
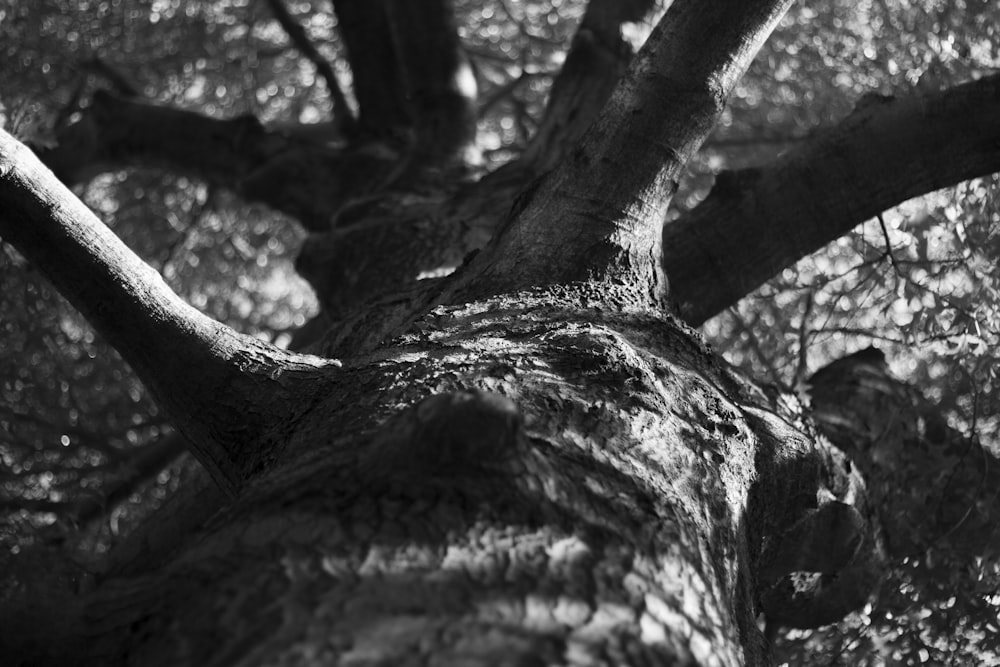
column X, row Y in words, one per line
column 921, row 282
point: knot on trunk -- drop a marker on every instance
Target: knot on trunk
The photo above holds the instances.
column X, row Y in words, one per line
column 819, row 569
column 447, row 438
column 821, row 551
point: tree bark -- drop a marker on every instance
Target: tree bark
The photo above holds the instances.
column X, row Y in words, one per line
column 226, row 392
column 884, row 153
column 927, row 478
column 530, row 463
column 757, row 221
column 597, row 58
column 583, row 484
column 343, row 116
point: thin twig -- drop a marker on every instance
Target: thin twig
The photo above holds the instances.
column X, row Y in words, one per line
column 888, row 243
column 802, row 367
column 501, row 92
column 342, row 111
column 766, row 360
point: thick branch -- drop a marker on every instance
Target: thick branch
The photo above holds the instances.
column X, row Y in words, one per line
column 440, row 84
column 298, row 175
column 596, row 60
column 597, row 216
column 411, row 73
column 755, row 222
column 231, row 395
column 377, row 80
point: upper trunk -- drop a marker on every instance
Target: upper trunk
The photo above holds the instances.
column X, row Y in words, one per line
column 603, row 205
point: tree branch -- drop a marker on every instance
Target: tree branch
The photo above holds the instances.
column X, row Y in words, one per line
column 597, row 215
column 597, row 58
column 377, row 80
column 119, row 82
column 935, row 487
column 232, row 396
column 440, row 85
column 755, row 222
column 292, row 171
column 343, row 115
column 145, row 465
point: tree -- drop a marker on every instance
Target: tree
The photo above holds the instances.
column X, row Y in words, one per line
column 532, row 459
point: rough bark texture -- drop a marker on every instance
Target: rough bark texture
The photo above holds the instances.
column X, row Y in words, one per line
column 575, row 479
column 530, row 463
column 606, row 503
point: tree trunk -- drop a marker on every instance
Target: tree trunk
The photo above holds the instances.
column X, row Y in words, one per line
column 605, row 503
column 532, row 462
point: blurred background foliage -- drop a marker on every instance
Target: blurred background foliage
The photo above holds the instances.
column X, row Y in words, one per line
column 921, row 283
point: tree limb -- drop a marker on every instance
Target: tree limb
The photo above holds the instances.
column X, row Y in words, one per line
column 145, row 465
column 904, row 446
column 376, row 77
column 291, row 170
column 231, row 395
column 755, row 222
column 597, row 58
column 597, row 215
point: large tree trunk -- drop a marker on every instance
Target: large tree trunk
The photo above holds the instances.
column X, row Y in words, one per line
column 530, row 463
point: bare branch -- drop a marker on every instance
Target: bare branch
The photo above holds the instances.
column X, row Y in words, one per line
column 187, row 360
column 291, row 170
column 411, row 76
column 343, row 115
column 597, row 58
column 755, row 222
column 146, row 464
